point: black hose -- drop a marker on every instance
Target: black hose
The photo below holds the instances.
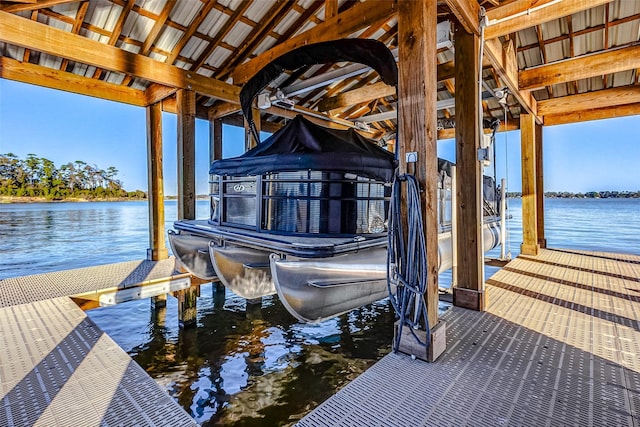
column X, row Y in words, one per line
column 407, row 261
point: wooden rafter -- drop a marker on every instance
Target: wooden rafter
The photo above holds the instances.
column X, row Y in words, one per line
column 226, row 28
column 543, row 54
column 27, row 52
column 590, row 100
column 582, row 67
column 606, row 40
column 571, row 47
column 117, row 30
column 153, row 34
column 40, row 4
column 33, row 35
column 306, row 15
column 255, row 37
column 330, row 9
column 193, row 27
column 82, row 11
column 157, row 27
column 521, row 14
column 342, row 25
column 571, row 34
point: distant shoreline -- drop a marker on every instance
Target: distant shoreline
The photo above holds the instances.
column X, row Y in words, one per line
column 28, row 199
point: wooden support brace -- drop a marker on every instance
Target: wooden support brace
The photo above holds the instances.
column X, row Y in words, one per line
column 470, row 298
column 411, row 346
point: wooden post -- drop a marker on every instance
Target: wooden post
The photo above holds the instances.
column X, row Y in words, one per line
column 157, row 244
column 187, row 305
column 469, row 292
column 186, row 111
column 417, row 129
column 215, row 140
column 528, row 138
column 542, row 241
column 159, row 310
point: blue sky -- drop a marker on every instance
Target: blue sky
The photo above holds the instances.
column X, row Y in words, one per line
column 64, row 127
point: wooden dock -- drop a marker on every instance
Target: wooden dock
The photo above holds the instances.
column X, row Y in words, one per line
column 57, row 368
column 558, row 345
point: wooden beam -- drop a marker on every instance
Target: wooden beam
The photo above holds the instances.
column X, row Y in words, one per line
column 238, row 121
column 223, row 109
column 61, row 80
column 521, row 14
column 592, row 114
column 33, row 35
column 592, row 100
column 450, row 133
column 417, row 122
column 468, row 14
column 503, row 59
column 469, row 291
column 186, row 103
column 340, row 26
column 157, row 244
column 155, row 93
column 583, row 67
column 40, row 4
column 528, row 128
column 357, row 96
column 169, row 105
column 446, row 71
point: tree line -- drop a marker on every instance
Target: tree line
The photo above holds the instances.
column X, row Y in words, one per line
column 587, row 195
column 39, row 177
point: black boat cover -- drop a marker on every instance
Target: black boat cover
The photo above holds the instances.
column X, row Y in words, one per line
column 363, row 51
column 303, row 145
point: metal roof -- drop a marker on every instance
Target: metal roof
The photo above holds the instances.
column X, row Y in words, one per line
column 225, row 33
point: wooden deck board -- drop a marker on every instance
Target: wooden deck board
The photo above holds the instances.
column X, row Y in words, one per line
column 558, row 345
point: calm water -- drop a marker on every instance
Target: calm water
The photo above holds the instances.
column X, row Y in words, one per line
column 250, row 365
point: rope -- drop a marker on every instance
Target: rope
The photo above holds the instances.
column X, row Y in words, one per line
column 407, row 261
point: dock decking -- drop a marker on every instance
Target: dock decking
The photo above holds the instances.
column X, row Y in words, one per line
column 37, row 287
column 57, row 368
column 558, row 345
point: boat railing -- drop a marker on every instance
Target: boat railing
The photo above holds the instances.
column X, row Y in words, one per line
column 301, row 202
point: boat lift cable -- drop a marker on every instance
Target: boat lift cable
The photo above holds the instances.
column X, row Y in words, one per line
column 506, row 172
column 407, row 261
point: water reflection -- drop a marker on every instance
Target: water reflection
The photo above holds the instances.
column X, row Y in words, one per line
column 249, row 364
